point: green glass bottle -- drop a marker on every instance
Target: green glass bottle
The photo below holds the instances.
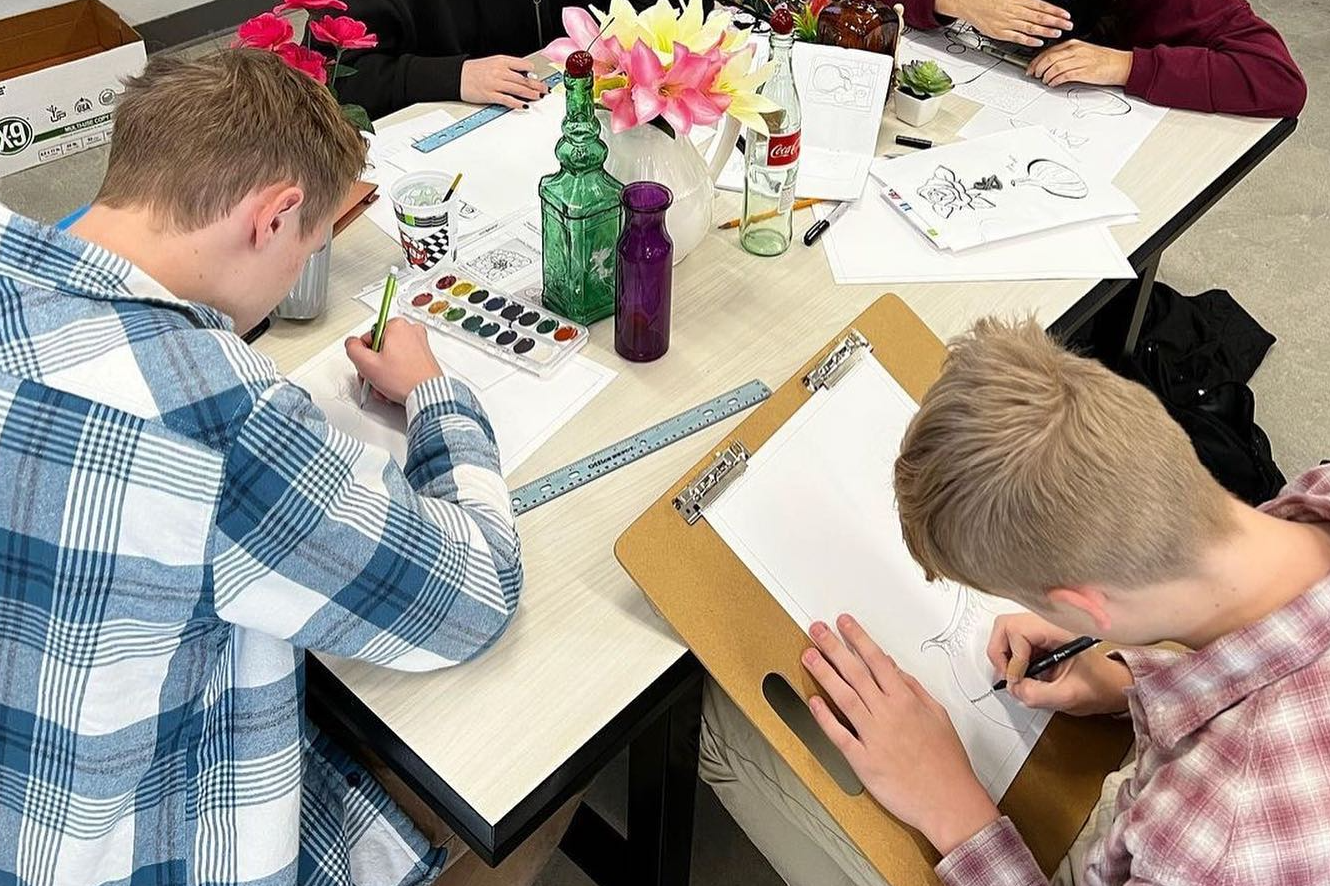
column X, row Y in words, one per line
column 579, row 209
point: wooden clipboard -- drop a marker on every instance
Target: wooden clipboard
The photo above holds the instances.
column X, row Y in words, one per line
column 741, row 635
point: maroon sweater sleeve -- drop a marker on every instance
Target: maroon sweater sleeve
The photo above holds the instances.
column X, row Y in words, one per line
column 1210, row 55
column 923, row 14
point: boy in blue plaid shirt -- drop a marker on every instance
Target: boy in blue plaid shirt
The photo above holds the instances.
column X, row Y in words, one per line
column 178, row 523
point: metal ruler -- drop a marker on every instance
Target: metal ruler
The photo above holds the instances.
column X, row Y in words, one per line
column 487, row 114
column 630, row 449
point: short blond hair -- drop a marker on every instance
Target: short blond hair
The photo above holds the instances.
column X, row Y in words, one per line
column 193, row 137
column 1029, row 468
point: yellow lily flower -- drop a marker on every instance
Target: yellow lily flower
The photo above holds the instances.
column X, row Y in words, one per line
column 660, row 27
column 623, row 23
column 740, row 83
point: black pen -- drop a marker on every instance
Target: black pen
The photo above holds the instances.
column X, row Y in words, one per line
column 910, row 141
column 1056, row 657
column 820, row 226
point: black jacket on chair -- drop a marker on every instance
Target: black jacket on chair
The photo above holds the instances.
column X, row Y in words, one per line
column 423, row 43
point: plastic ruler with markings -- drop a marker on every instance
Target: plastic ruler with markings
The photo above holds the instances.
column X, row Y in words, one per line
column 630, row 449
column 488, row 114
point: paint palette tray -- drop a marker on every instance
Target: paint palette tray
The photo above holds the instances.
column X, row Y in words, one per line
column 512, row 328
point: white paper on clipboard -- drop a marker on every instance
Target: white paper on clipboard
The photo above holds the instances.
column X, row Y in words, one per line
column 813, row 517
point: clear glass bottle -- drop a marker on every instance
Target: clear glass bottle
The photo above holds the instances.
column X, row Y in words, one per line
column 579, row 209
column 646, row 274
column 771, row 162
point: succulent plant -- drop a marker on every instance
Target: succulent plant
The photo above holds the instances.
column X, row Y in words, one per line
column 924, row 79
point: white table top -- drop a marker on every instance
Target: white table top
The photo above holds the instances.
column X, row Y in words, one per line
column 585, row 643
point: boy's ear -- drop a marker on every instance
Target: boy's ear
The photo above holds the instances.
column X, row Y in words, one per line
column 1087, row 599
column 275, row 207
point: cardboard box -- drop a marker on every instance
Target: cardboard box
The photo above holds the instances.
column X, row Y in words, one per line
column 60, row 75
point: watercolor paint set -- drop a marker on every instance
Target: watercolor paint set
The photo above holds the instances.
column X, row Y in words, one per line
column 510, row 327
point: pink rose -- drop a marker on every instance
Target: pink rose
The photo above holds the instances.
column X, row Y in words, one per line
column 343, row 32
column 304, row 60
column 288, row 5
column 265, row 31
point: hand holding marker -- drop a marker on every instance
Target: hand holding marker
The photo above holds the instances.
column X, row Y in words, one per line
column 1052, row 659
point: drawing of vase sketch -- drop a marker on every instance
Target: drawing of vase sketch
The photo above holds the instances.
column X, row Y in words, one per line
column 1089, row 102
column 964, row 641
column 844, row 84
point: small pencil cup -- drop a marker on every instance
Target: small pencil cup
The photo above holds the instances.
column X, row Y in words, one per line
column 426, row 219
column 309, row 297
column 645, row 283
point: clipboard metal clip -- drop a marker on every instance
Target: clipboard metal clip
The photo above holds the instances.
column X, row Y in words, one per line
column 841, row 359
column 729, row 463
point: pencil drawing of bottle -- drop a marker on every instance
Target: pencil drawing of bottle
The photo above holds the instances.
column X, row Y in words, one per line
column 579, row 208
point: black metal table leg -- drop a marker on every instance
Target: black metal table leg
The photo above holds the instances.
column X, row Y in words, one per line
column 662, row 786
column 1144, row 286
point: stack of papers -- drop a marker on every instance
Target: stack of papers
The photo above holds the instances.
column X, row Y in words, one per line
column 1099, row 126
column 842, row 94
column 998, row 187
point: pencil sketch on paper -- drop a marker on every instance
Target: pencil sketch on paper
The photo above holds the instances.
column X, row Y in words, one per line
column 947, row 194
column 1064, row 137
column 502, row 261
column 1090, row 102
column 964, row 642
column 843, row 84
column 1050, row 176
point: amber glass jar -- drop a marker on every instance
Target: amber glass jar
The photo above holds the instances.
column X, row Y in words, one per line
column 860, row 24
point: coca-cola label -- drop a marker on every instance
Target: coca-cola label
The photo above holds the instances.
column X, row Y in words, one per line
column 782, row 150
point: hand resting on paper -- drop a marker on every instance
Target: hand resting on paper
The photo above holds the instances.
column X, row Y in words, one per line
column 903, row 747
column 404, row 361
column 1079, row 62
column 500, row 80
column 1090, row 683
column 1027, row 22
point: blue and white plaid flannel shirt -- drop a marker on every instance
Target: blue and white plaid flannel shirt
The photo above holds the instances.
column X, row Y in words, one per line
column 178, row 524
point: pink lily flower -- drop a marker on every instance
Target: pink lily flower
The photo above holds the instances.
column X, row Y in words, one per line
column 584, row 33
column 678, row 93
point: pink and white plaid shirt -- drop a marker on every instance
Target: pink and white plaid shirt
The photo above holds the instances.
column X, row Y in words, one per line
column 1232, row 782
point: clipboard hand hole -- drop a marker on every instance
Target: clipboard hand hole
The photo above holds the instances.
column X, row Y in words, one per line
column 789, row 705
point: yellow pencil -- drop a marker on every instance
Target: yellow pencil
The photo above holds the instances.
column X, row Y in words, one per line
column 798, row 204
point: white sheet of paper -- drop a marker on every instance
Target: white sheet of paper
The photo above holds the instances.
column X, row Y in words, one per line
column 506, row 256
column 499, row 189
column 1100, row 128
column 1000, row 186
column 842, row 93
column 872, row 243
column 813, row 518
column 524, row 410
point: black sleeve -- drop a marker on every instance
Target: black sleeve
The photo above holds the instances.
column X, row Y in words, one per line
column 392, row 75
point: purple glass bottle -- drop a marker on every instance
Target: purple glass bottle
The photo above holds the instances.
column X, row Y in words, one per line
column 645, row 275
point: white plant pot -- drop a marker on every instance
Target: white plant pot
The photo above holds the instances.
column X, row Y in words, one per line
column 916, row 111
column 645, row 153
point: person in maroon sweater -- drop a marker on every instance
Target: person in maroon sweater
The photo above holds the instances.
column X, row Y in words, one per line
column 1200, row 55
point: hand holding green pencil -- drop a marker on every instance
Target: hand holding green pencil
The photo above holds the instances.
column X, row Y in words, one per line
column 395, row 356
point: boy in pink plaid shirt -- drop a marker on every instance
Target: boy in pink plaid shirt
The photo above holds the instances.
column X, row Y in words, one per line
column 1042, row 477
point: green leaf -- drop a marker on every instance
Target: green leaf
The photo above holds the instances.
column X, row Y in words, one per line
column 358, row 117
column 344, row 71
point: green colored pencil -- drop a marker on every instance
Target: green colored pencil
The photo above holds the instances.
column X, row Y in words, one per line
column 389, row 290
